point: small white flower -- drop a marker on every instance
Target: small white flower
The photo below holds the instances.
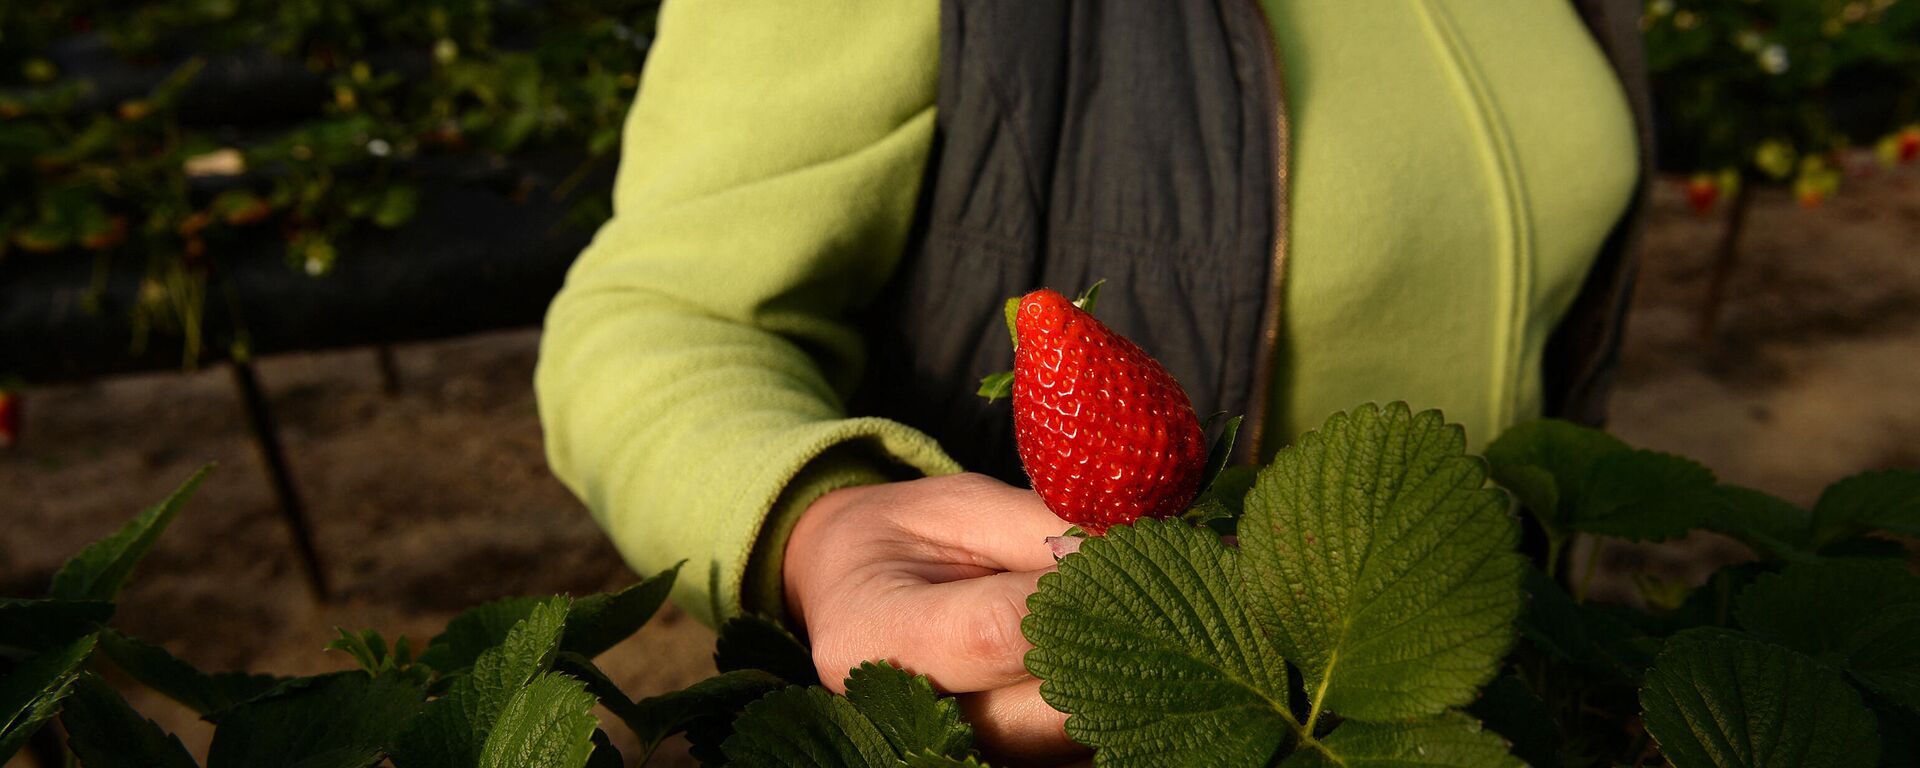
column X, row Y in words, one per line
column 379, row 148
column 1773, row 59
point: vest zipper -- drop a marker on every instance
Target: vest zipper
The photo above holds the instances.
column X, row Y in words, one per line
column 1263, row 379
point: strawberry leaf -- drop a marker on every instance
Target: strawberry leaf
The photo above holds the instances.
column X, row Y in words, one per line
column 1645, row 495
column 31, row 692
column 104, row 732
column 1142, row 639
column 1449, row 741
column 1770, row 525
column 755, row 642
column 996, row 386
column 341, row 720
column 1381, row 564
column 455, row 729
column 1581, row 633
column 1012, row 310
column 1716, row 698
column 1886, row 500
column 1089, row 297
column 1546, row 462
column 888, row 716
column 210, row 695
column 100, row 570
column 594, row 623
column 1510, row 708
column 932, row 760
column 39, row 625
column 1219, row 452
column 547, row 724
column 807, row 726
column 907, row 711
column 716, row 699
column 1574, row 478
column 1862, row 617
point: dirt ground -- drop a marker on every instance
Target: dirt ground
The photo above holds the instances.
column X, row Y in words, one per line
column 438, row 497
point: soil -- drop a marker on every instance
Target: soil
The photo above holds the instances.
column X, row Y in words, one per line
column 438, row 497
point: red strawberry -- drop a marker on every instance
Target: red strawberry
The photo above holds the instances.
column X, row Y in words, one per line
column 1106, row 435
column 9, row 419
column 1702, row 193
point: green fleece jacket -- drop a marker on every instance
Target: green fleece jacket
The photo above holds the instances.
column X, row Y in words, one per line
column 694, row 369
column 698, row 358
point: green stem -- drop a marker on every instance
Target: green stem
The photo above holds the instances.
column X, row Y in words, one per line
column 1593, row 566
column 1555, row 545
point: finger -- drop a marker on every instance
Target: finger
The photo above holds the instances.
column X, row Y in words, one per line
column 964, row 635
column 988, row 523
column 1015, row 723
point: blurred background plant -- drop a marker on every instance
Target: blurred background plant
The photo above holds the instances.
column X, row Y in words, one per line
column 153, row 137
column 1775, row 92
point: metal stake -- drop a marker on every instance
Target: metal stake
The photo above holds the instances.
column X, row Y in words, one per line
column 266, row 437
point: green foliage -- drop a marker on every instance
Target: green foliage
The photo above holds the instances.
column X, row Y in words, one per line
column 594, row 623
column 756, row 642
column 100, row 570
column 211, row 695
column 995, row 386
column 1578, row 479
column 454, row 729
column 806, row 726
column 1746, row 89
column 501, row 704
column 1449, row 741
column 547, row 724
column 104, row 732
column 1886, row 500
column 1144, row 639
column 341, row 720
column 30, row 694
column 888, row 718
column 373, row 97
column 1717, row 699
column 1368, row 609
column 1727, row 671
column 39, row 625
column 1382, row 565
column 1862, row 617
column 908, row 713
column 1371, row 558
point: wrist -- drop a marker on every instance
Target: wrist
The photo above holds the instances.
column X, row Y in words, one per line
column 841, row 466
column 805, row 546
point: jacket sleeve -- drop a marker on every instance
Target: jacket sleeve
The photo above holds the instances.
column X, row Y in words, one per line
column 693, row 369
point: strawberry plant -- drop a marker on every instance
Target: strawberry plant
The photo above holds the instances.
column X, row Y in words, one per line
column 1771, row 92
column 165, row 139
column 1360, row 601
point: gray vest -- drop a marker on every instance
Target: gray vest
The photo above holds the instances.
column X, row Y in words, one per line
column 1144, row 142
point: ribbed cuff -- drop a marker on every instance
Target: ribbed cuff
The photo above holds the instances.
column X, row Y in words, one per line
column 844, row 465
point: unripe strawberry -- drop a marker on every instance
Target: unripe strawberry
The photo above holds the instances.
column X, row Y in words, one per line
column 1106, row 434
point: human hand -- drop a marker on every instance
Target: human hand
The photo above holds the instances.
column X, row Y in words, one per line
column 933, row 575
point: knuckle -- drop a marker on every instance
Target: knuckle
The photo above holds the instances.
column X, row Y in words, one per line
column 991, row 634
column 830, row 661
